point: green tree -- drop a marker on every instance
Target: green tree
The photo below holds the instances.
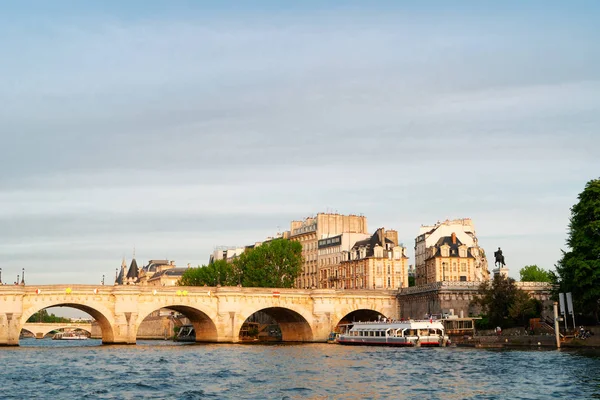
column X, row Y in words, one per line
column 533, row 273
column 523, row 308
column 411, row 281
column 276, row 264
column 578, row 269
column 495, row 298
column 43, row 316
column 219, row 272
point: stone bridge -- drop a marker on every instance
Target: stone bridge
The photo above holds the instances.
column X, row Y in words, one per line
column 42, row 329
column 216, row 313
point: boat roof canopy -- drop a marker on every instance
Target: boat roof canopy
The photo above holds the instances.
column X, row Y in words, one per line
column 365, row 326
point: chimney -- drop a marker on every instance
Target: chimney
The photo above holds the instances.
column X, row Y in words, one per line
column 453, row 238
column 381, row 236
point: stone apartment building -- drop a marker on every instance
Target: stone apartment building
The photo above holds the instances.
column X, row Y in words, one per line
column 377, row 262
column 155, row 273
column 312, row 229
column 227, row 253
column 449, row 251
column 331, row 252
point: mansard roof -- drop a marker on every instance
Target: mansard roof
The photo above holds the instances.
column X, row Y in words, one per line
column 153, row 264
column 447, row 240
column 372, row 242
column 168, row 272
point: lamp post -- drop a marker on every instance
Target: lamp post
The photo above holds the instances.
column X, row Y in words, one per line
column 23, row 277
column 102, row 280
column 0, row 276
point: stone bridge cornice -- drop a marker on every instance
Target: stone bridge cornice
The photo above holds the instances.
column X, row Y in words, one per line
column 62, row 289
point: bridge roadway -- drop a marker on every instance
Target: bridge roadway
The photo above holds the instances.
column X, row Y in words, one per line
column 217, row 313
column 41, row 329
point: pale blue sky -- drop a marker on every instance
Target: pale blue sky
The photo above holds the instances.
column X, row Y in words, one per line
column 176, row 127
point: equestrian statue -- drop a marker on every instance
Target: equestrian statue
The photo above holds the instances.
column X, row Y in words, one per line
column 499, row 258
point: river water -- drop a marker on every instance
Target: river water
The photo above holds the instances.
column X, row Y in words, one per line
column 47, row 369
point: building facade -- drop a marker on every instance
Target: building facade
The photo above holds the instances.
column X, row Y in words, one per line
column 312, row 229
column 449, row 260
column 227, row 253
column 152, row 268
column 155, row 273
column 441, row 247
column 331, row 252
column 373, row 263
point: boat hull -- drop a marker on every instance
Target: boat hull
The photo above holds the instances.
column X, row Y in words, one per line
column 371, row 343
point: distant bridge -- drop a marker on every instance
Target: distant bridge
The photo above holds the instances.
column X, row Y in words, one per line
column 41, row 329
column 216, row 313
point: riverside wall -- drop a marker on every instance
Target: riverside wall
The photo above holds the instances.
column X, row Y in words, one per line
column 457, row 297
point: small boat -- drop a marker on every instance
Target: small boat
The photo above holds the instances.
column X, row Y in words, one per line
column 333, row 337
column 186, row 334
column 395, row 333
column 69, row 336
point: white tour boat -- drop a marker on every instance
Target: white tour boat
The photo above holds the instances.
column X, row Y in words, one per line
column 69, row 336
column 395, row 333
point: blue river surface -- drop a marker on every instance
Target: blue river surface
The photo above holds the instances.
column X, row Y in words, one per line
column 46, row 369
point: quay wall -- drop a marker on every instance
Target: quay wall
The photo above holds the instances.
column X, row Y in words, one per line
column 442, row 297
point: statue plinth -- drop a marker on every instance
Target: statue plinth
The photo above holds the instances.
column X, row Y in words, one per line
column 502, row 271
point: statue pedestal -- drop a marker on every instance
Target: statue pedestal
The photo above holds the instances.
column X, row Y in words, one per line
column 502, row 271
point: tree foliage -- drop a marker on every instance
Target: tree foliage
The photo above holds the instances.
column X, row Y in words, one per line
column 579, row 268
column 43, row 316
column 219, row 272
column 272, row 264
column 504, row 303
column 524, row 307
column 533, row 273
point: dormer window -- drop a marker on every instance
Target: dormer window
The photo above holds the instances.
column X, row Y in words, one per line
column 445, row 251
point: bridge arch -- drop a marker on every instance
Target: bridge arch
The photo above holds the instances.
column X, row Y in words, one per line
column 349, row 315
column 102, row 315
column 202, row 319
column 293, row 323
column 61, row 327
column 27, row 330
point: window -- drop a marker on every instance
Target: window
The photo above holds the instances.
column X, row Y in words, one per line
column 463, row 267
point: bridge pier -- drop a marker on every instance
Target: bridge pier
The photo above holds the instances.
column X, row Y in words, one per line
column 124, row 329
column 9, row 329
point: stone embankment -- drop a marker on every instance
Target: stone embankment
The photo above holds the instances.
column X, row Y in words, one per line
column 518, row 338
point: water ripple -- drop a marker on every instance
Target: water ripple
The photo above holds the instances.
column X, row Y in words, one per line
column 157, row 370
